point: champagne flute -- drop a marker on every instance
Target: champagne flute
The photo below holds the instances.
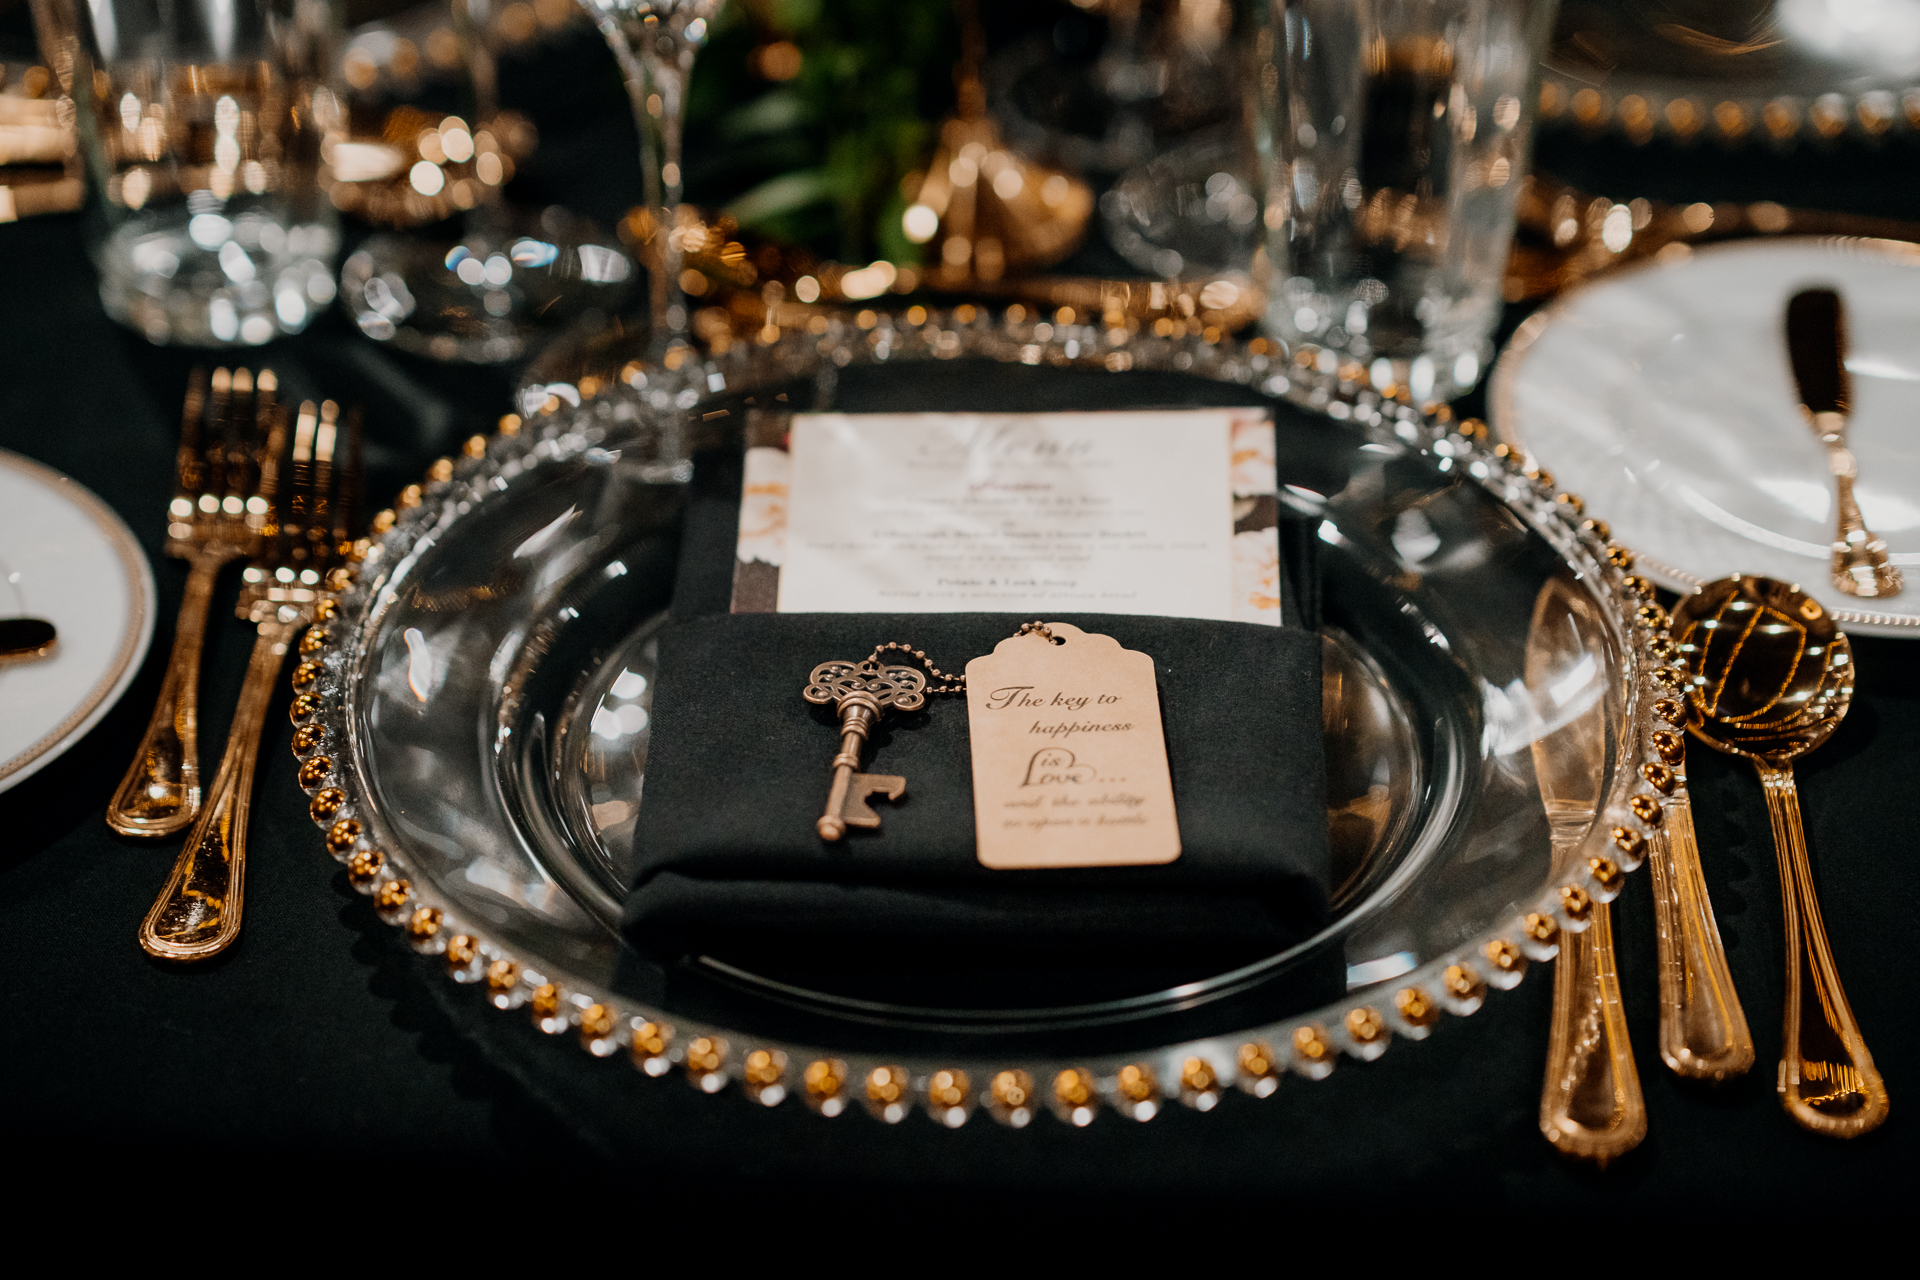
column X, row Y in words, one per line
column 655, row 42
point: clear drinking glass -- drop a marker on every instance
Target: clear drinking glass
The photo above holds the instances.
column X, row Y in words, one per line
column 201, row 125
column 1394, row 136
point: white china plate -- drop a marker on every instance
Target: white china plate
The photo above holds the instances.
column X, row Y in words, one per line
column 1663, row 397
column 66, row 557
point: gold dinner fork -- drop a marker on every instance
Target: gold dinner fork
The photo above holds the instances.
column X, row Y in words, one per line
column 215, row 517
column 198, row 913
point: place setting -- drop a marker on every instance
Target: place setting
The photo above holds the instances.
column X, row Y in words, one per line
column 1134, row 602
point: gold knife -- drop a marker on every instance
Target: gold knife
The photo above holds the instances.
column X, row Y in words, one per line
column 1817, row 348
column 1590, row 1104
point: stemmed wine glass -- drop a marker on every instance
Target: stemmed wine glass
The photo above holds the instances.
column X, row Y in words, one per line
column 655, row 42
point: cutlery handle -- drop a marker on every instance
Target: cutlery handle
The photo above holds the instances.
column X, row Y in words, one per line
column 1827, row 1078
column 1703, row 1031
column 198, row 914
column 1591, row 1106
column 160, row 796
column 1860, row 565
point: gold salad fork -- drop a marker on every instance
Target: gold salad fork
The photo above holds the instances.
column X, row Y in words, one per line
column 216, row 516
column 198, row 913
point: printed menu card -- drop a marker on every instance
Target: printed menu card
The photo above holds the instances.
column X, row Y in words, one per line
column 1141, row 512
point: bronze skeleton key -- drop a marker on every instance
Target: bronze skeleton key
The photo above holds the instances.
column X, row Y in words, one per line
column 862, row 692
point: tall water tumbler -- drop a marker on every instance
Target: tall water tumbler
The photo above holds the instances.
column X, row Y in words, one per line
column 201, row 123
column 1394, row 137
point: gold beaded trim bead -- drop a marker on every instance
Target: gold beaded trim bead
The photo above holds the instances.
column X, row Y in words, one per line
column 1607, row 873
column 548, row 1013
column 502, row 977
column 1415, row 1007
column 1074, row 1096
column 1668, row 745
column 1136, row 1083
column 1010, row 1097
column 1628, row 841
column 1541, row 936
column 825, row 1081
column 305, row 674
column 342, row 836
column 1197, row 1076
column 1504, row 956
column 314, row 641
column 363, row 868
column 1598, row 528
column 597, row 1028
column 1365, row 1026
column 393, row 895
column 304, row 708
column 307, row 737
column 462, row 950
column 1659, row 777
column 326, row 610
column 706, row 1063
column 1313, row 1053
column 314, row 770
column 327, row 803
column 1259, row 1070
column 1670, row 710
column 424, row 923
column 1652, row 617
column 1576, row 902
column 764, row 1072
column 1618, row 556
column 648, row 1044
column 947, row 1097
column 1463, row 988
column 1645, row 808
column 887, row 1093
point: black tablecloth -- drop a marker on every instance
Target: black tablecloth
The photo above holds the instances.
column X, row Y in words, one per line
column 320, row 1039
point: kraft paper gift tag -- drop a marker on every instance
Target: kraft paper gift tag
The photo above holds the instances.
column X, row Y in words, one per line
column 1069, row 757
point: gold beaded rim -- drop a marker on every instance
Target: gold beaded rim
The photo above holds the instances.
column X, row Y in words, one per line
column 1196, row 1074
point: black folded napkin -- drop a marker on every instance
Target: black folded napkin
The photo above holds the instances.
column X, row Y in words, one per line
column 738, row 770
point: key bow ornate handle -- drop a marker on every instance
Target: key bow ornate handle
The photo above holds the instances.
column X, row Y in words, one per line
column 862, row 692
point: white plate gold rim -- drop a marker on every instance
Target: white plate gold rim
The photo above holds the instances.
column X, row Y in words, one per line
column 1504, row 416
column 137, row 581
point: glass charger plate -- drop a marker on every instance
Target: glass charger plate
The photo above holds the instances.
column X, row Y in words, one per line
column 473, row 721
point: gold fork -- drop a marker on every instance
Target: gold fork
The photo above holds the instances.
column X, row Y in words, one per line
column 215, row 517
column 198, row 913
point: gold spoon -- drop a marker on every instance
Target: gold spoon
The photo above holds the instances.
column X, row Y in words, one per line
column 1771, row 679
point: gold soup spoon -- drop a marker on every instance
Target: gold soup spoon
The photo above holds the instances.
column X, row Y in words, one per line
column 1771, row 679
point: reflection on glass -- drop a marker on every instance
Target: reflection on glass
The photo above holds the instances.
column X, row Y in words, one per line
column 202, row 143
column 423, row 139
column 1396, row 137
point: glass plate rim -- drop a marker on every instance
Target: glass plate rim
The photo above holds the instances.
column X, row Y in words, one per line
column 951, row 1087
